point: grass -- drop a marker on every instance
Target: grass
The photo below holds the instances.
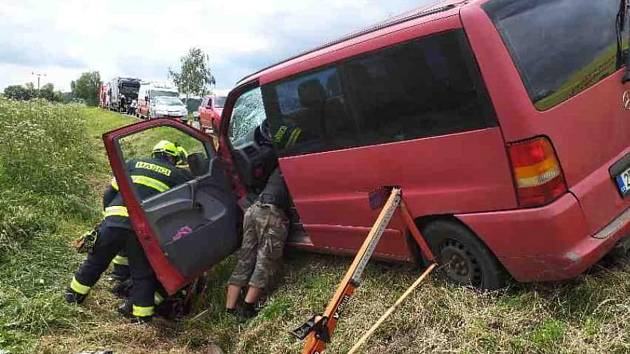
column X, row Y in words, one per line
column 590, row 314
column 47, row 164
column 140, row 145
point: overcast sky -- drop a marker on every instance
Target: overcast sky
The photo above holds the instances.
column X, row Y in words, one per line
column 144, row 38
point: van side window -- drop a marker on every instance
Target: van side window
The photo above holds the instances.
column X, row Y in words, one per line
column 422, row 88
column 560, row 47
column 426, row 87
column 310, row 113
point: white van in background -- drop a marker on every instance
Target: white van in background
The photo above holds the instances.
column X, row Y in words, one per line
column 158, row 100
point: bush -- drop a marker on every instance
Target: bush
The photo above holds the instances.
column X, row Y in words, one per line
column 45, row 164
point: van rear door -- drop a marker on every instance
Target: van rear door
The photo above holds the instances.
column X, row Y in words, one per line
column 561, row 55
column 189, row 228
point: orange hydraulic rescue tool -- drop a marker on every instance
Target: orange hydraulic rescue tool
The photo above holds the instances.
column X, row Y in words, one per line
column 319, row 329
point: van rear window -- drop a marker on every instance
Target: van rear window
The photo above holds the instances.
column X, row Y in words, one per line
column 561, row 47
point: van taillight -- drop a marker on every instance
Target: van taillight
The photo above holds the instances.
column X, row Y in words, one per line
column 537, row 173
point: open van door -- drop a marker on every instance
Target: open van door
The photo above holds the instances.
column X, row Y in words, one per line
column 189, row 228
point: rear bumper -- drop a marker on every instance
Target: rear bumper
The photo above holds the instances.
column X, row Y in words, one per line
column 548, row 243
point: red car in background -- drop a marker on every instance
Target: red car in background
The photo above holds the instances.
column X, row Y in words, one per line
column 210, row 111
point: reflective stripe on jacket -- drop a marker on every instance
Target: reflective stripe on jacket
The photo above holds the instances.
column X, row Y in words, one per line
column 149, row 177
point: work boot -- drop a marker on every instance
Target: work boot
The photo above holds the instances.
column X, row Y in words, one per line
column 172, row 309
column 141, row 320
column 73, row 297
column 122, row 289
column 246, row 311
column 120, row 273
column 125, row 308
column 243, row 311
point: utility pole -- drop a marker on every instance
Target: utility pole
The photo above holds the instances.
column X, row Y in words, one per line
column 39, row 75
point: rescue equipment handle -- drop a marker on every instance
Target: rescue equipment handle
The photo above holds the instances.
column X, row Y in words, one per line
column 319, row 329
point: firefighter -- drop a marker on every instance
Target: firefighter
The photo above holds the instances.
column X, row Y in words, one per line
column 150, row 176
column 265, row 230
column 286, row 136
column 183, row 157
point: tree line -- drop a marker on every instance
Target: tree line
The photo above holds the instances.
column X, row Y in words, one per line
column 193, row 78
column 28, row 91
column 84, row 89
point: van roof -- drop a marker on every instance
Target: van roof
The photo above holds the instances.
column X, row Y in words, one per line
column 441, row 8
column 158, row 85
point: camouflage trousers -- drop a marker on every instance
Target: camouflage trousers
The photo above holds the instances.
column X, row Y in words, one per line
column 265, row 230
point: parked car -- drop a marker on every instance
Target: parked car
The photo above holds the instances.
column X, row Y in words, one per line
column 149, row 91
column 168, row 107
column 210, row 111
column 510, row 141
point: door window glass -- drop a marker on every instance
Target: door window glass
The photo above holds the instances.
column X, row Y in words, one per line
column 140, row 146
column 247, row 114
column 310, row 113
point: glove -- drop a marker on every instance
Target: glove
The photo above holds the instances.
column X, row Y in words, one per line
column 85, row 243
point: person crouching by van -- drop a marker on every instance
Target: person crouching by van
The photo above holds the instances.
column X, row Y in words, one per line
column 150, row 177
column 265, row 230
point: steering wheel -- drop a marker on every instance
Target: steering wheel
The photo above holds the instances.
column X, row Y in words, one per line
column 249, row 155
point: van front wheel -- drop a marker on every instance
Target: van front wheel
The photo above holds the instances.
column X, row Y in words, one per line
column 465, row 260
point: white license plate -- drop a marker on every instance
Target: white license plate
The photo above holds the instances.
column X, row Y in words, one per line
column 623, row 182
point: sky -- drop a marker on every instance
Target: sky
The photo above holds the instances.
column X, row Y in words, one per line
column 142, row 39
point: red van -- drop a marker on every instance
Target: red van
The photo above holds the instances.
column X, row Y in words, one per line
column 505, row 122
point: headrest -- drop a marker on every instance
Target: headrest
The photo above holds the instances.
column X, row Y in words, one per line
column 312, row 93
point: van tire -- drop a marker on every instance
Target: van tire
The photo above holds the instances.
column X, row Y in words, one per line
column 464, row 259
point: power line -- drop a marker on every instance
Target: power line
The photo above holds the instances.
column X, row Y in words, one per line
column 39, row 75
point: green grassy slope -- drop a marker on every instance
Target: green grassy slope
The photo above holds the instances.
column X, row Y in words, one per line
column 587, row 315
column 50, row 181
